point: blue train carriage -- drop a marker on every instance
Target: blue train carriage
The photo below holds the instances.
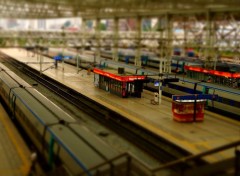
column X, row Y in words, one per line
column 153, row 62
column 227, row 103
column 35, row 114
column 9, row 80
column 73, row 58
column 56, row 135
column 128, row 57
column 178, row 63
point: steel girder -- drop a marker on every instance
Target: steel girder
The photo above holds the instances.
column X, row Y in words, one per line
column 106, row 8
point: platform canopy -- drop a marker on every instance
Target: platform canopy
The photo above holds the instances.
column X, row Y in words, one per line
column 105, row 8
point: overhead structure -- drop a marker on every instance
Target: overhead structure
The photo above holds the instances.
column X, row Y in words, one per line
column 106, row 8
column 211, row 28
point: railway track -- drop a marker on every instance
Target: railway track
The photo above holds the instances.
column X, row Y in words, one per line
column 152, row 144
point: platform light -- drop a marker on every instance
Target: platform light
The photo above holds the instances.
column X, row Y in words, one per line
column 156, row 83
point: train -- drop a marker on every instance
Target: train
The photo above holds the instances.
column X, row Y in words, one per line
column 148, row 60
column 126, row 56
column 227, row 102
column 62, row 140
column 179, row 64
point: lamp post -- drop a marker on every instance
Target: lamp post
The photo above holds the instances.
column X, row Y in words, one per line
column 78, row 59
column 64, row 46
column 160, row 88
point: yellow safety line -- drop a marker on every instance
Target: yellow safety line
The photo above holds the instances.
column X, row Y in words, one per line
column 223, row 118
column 192, row 147
column 152, row 128
column 215, row 156
column 26, row 166
column 9, row 171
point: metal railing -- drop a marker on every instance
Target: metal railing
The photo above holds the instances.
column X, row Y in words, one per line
column 128, row 165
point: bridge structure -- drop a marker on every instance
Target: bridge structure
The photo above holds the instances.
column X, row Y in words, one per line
column 211, row 29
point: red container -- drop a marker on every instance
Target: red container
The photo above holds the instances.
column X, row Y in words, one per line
column 183, row 111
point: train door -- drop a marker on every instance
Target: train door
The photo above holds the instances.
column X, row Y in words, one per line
column 205, row 90
column 51, row 152
column 50, row 148
column 210, row 103
column 12, row 100
column 181, row 67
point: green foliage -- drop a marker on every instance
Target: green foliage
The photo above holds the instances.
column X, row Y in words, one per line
column 2, row 42
column 22, row 41
column 102, row 27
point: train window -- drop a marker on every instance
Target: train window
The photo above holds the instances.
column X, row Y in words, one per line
column 225, row 101
column 237, row 104
column 233, row 69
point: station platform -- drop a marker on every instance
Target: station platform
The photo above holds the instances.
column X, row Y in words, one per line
column 14, row 155
column 197, row 137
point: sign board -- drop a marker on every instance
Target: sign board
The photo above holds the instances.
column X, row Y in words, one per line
column 194, row 97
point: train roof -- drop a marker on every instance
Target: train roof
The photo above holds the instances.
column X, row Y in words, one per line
column 212, row 86
column 3, row 67
column 77, row 147
column 94, row 141
column 45, row 111
column 12, row 80
column 57, row 110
